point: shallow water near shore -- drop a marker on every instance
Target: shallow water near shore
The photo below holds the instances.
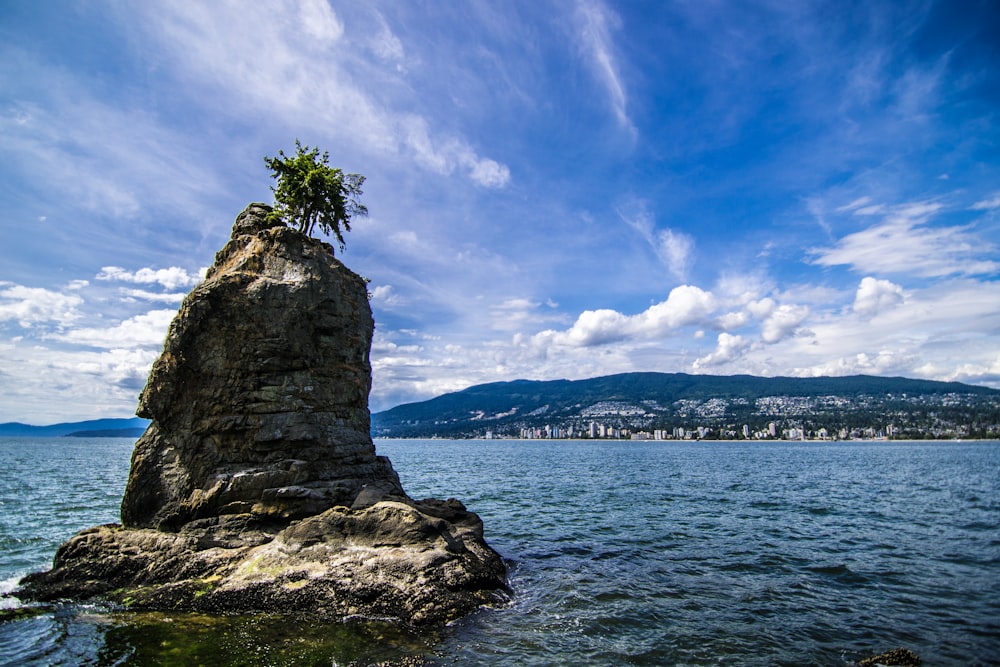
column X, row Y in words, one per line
column 621, row 553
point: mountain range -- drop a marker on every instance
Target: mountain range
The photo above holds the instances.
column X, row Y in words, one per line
column 646, row 401
column 94, row 428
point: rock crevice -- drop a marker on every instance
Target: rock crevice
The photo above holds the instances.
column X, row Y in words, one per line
column 256, row 485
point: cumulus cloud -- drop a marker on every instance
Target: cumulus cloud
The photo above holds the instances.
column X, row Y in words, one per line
column 904, row 243
column 171, row 278
column 734, row 320
column 782, row 322
column 729, row 348
column 33, row 305
column 685, row 305
column 874, row 296
column 882, row 362
column 761, row 308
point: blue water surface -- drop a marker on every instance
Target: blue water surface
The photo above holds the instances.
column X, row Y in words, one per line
column 621, row 553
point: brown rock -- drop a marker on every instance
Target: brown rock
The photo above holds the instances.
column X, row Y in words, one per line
column 257, row 486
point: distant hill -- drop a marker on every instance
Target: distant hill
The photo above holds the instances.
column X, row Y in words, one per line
column 95, row 428
column 659, row 400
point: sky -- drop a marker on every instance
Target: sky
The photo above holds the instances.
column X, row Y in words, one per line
column 557, row 188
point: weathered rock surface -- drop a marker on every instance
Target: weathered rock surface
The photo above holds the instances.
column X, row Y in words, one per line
column 257, row 486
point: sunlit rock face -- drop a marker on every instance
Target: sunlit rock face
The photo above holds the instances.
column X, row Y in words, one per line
column 256, row 485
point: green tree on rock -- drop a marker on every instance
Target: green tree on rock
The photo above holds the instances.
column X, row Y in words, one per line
column 310, row 192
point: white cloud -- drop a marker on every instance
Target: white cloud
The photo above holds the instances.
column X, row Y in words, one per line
column 854, row 205
column 931, row 332
column 594, row 22
column 882, row 362
column 987, row 204
column 444, row 157
column 729, row 349
column 108, row 157
column 309, row 84
column 170, row 278
column 761, row 308
column 385, row 295
column 486, row 172
column 733, row 320
column 673, row 248
column 782, row 322
column 517, row 314
column 903, row 243
column 874, row 209
column 318, row 20
column 874, row 296
column 43, row 385
column 33, row 305
column 686, row 305
column 145, row 295
column 147, row 330
column 385, row 44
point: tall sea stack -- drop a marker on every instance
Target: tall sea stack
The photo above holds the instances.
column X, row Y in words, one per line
column 256, row 487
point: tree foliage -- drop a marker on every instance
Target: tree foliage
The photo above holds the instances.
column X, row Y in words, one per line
column 310, row 192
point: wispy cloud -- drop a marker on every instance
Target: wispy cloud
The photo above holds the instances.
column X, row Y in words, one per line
column 301, row 72
column 673, row 248
column 904, row 243
column 101, row 156
column 987, row 204
column 595, row 23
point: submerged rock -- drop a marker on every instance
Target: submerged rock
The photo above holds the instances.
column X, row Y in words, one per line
column 256, row 485
column 899, row 657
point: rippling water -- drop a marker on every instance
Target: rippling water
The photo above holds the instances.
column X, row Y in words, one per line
column 645, row 553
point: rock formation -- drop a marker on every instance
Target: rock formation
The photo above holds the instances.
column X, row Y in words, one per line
column 256, row 485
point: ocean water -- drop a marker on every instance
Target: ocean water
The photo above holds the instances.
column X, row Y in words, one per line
column 621, row 553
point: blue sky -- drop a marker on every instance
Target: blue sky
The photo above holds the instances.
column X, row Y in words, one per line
column 557, row 189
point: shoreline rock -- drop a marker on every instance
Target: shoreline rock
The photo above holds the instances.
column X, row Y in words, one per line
column 256, row 486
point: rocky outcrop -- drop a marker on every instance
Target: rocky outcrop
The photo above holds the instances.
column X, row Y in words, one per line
column 259, row 402
column 256, row 485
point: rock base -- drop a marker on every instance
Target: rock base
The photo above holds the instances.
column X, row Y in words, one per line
column 421, row 563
